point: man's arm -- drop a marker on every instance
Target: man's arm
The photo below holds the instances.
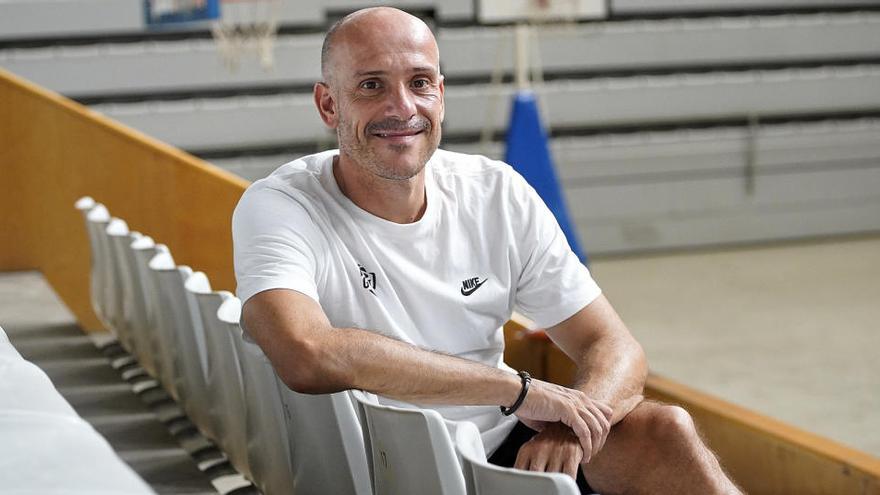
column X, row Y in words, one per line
column 611, row 369
column 311, row 356
column 611, row 364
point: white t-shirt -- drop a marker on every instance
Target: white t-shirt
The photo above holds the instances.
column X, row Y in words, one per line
column 485, row 244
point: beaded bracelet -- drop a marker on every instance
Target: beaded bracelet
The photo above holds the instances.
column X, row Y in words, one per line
column 526, row 379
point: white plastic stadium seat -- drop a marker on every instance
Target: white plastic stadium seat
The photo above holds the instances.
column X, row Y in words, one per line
column 25, row 389
column 53, row 455
column 116, row 238
column 326, row 443
column 183, row 322
column 267, row 440
column 143, row 250
column 224, row 374
column 484, row 478
column 134, row 303
column 412, row 452
column 96, row 219
column 85, row 204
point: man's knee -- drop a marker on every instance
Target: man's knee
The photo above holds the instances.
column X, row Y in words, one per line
column 669, row 426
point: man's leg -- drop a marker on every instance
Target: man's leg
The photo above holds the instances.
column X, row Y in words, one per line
column 656, row 449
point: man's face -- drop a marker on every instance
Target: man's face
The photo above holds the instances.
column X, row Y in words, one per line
column 387, row 95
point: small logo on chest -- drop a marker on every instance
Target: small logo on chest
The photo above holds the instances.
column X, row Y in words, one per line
column 368, row 279
column 469, row 286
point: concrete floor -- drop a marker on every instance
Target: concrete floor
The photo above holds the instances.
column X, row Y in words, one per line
column 791, row 331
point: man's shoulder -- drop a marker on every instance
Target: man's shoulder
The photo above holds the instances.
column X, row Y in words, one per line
column 300, row 171
column 445, row 162
column 296, row 182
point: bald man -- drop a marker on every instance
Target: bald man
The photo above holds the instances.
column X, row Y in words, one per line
column 390, row 266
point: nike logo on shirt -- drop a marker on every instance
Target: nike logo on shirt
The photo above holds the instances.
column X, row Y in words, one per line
column 471, row 285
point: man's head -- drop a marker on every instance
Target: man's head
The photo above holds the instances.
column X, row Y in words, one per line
column 382, row 91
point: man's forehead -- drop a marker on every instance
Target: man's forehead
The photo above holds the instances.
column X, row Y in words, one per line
column 383, row 40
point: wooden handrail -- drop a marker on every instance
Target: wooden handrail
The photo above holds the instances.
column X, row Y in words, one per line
column 54, row 151
column 764, row 455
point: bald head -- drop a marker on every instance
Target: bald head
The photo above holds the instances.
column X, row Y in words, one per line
column 371, row 27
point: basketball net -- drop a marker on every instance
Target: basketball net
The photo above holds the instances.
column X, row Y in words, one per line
column 528, row 69
column 247, row 27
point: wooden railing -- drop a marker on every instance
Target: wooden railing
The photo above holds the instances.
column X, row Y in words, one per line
column 52, row 151
column 763, row 455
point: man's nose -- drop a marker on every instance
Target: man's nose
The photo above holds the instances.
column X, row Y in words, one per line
column 401, row 103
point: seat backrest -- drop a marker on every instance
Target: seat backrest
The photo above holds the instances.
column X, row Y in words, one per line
column 267, row 440
column 137, row 303
column 26, row 389
column 48, row 454
column 143, row 251
column 483, row 478
column 182, row 321
column 224, row 375
column 326, row 443
column 84, row 205
column 101, row 283
column 116, row 238
column 412, row 452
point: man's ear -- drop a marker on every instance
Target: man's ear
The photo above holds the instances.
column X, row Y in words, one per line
column 326, row 105
column 442, row 97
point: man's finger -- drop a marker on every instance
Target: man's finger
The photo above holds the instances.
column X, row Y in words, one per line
column 595, row 427
column 570, row 467
column 522, row 459
column 580, row 428
column 604, row 429
column 554, row 464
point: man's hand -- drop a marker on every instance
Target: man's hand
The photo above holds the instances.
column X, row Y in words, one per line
column 555, row 449
column 588, row 419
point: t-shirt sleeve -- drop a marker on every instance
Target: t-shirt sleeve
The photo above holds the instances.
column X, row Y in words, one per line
column 553, row 283
column 275, row 244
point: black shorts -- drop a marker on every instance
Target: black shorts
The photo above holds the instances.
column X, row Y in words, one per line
column 505, row 456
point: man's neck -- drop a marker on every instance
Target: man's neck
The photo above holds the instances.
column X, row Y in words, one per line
column 398, row 201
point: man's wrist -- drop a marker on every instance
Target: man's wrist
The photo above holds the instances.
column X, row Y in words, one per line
column 525, row 381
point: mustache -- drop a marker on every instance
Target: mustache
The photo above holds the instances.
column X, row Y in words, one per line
column 397, row 125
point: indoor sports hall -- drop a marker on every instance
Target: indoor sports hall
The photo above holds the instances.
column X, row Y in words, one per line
column 714, row 163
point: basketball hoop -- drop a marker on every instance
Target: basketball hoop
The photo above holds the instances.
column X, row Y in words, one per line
column 247, row 26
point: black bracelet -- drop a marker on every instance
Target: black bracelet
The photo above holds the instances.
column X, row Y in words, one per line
column 526, row 379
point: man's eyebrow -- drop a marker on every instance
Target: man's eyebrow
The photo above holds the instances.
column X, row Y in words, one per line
column 425, row 68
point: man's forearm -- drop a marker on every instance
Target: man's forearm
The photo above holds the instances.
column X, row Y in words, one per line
column 611, row 364
column 613, row 370
column 350, row 358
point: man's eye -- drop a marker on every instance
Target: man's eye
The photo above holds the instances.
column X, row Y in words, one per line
column 370, row 85
column 421, row 83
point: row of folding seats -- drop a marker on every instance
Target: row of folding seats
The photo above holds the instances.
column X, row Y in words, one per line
column 103, row 69
column 46, row 447
column 469, row 109
column 188, row 336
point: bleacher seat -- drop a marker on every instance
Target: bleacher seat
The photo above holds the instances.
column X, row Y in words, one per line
column 131, row 306
column 159, row 334
column 96, row 219
column 268, row 444
column 326, row 442
column 412, row 452
column 182, row 321
column 46, row 447
column 224, row 379
column 483, row 478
